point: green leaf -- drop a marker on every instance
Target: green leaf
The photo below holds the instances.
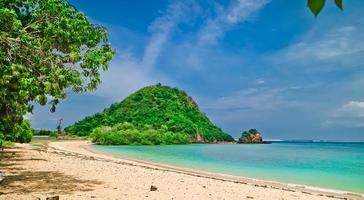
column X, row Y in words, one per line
column 315, row 6
column 42, row 44
column 339, row 4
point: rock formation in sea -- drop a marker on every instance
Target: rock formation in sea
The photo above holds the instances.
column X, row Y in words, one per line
column 251, row 136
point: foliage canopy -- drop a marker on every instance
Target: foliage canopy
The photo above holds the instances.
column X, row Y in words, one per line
column 46, row 46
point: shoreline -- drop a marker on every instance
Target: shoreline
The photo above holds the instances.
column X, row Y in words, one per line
column 218, row 176
column 332, row 193
column 73, row 170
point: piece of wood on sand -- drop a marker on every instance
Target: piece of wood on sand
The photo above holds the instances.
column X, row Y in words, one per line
column 2, row 177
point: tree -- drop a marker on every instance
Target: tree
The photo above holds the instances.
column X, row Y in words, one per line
column 317, row 5
column 46, row 47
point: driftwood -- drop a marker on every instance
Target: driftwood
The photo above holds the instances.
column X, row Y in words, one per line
column 53, row 198
column 2, row 177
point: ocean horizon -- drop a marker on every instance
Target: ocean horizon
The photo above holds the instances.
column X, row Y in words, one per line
column 329, row 165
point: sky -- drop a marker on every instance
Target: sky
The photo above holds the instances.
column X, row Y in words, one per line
column 264, row 64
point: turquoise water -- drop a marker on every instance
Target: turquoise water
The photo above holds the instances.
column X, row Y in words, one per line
column 337, row 166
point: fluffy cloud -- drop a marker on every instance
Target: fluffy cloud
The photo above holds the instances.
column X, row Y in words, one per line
column 239, row 11
column 255, row 99
column 126, row 74
column 198, row 53
column 129, row 71
column 356, row 107
column 350, row 114
column 339, row 46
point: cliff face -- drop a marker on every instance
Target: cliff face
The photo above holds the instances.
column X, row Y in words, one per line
column 252, row 136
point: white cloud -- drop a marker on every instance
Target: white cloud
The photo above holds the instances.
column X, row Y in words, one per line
column 338, row 46
column 350, row 114
column 259, row 81
column 161, row 29
column 125, row 75
column 197, row 52
column 129, row 72
column 354, row 107
column 239, row 11
column 248, row 107
column 256, row 99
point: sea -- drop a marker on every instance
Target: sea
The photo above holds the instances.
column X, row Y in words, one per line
column 327, row 165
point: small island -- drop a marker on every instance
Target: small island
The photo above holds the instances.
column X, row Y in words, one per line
column 153, row 115
column 252, row 137
column 156, row 115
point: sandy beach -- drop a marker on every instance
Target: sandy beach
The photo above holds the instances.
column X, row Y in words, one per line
column 70, row 170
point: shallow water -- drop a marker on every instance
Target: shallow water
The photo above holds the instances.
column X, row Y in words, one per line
column 336, row 165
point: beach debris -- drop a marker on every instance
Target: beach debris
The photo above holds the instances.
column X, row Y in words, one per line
column 249, row 197
column 2, row 177
column 53, row 198
column 153, row 188
column 304, row 192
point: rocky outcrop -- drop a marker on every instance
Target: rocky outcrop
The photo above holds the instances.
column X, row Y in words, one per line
column 251, row 137
column 192, row 102
column 198, row 139
column 153, row 188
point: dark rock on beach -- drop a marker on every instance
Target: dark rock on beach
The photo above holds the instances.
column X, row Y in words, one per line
column 53, row 198
column 153, row 188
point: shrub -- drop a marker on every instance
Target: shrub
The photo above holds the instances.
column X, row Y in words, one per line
column 126, row 134
column 53, row 134
column 44, row 132
column 23, row 132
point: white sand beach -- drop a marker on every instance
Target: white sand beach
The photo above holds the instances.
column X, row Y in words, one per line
column 70, row 170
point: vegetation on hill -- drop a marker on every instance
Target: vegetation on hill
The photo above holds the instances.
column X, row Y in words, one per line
column 160, row 108
column 127, row 134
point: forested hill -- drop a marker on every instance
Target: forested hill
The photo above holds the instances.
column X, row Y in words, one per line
column 157, row 107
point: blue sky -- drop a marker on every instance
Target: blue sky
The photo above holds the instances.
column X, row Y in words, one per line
column 259, row 64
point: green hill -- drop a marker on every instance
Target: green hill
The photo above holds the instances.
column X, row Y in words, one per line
column 155, row 107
